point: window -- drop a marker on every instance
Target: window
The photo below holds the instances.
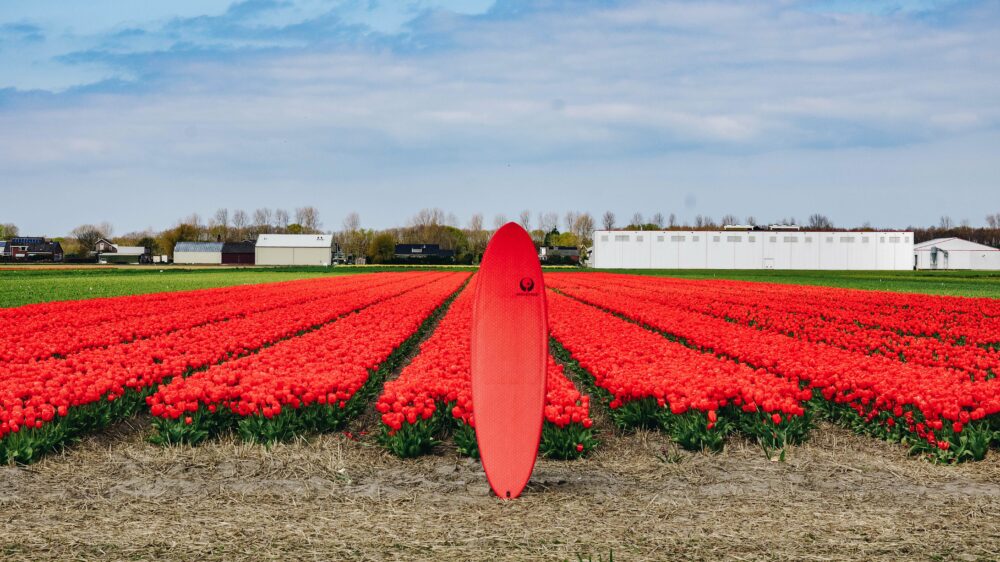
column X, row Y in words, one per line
column 881, row 240
column 809, row 239
column 733, row 238
column 906, row 239
column 621, row 237
column 693, row 238
column 659, row 239
column 865, row 239
column 829, row 239
column 774, row 239
column 676, row 238
column 638, row 238
column 604, row 238
column 715, row 239
column 846, row 240
column 753, row 238
column 894, row 239
column 791, row 239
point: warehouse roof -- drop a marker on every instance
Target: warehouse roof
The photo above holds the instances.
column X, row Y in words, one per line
column 953, row 245
column 198, row 247
column 295, row 241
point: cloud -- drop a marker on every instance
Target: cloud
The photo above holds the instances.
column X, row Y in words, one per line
column 274, row 91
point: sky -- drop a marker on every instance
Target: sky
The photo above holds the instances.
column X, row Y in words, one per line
column 141, row 113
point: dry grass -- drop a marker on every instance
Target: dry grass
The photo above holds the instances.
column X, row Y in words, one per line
column 840, row 496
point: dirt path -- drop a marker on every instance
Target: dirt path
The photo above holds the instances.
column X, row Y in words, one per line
column 840, row 496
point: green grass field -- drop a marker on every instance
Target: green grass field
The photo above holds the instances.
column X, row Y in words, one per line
column 22, row 287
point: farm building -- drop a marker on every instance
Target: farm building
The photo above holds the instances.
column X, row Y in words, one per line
column 294, row 249
column 755, row 249
column 239, row 253
column 31, row 248
column 955, row 253
column 559, row 254
column 198, row 253
column 422, row 252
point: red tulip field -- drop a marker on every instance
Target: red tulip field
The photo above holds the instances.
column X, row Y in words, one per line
column 673, row 407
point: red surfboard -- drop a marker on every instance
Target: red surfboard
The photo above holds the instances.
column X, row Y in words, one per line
column 509, row 351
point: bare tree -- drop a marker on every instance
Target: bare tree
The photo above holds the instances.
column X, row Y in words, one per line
column 583, row 228
column 477, row 236
column 993, row 221
column 353, row 239
column 820, row 222
column 672, row 220
column 524, row 219
column 946, row 223
column 221, row 219
column 569, row 219
column 281, row 219
column 548, row 221
column 729, row 219
column 751, row 220
column 451, row 220
column 699, row 221
column 262, row 218
column 427, row 217
column 499, row 221
column 240, row 222
column 658, row 219
column 966, row 223
column 637, row 219
column 308, row 218
column 87, row 236
column 608, row 220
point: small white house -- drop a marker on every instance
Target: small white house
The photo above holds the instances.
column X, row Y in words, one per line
column 294, row 249
column 955, row 253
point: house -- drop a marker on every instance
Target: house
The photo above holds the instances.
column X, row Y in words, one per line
column 432, row 252
column 198, row 253
column 109, row 252
column 294, row 249
column 31, row 248
column 955, row 253
column 559, row 254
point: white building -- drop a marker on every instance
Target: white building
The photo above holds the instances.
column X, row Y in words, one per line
column 294, row 249
column 202, row 253
column 955, row 253
column 755, row 249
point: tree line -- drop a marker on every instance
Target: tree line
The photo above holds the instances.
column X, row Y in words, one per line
column 434, row 226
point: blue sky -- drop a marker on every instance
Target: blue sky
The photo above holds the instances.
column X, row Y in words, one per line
column 142, row 113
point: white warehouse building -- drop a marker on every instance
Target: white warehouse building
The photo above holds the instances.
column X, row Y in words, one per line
column 955, row 253
column 294, row 249
column 753, row 249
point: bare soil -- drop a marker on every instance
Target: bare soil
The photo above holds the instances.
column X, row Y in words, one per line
column 840, row 496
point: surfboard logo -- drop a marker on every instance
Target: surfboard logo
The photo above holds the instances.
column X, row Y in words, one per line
column 527, row 284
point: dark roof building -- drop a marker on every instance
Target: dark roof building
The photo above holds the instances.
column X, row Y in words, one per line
column 422, row 251
column 243, row 253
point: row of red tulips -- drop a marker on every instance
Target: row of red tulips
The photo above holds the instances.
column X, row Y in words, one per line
column 45, row 404
column 819, row 320
column 936, row 410
column 60, row 329
column 649, row 381
column 311, row 383
column 433, row 397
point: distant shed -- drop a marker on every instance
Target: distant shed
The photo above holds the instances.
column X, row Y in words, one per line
column 294, row 249
column 198, row 253
column 955, row 253
column 239, row 253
